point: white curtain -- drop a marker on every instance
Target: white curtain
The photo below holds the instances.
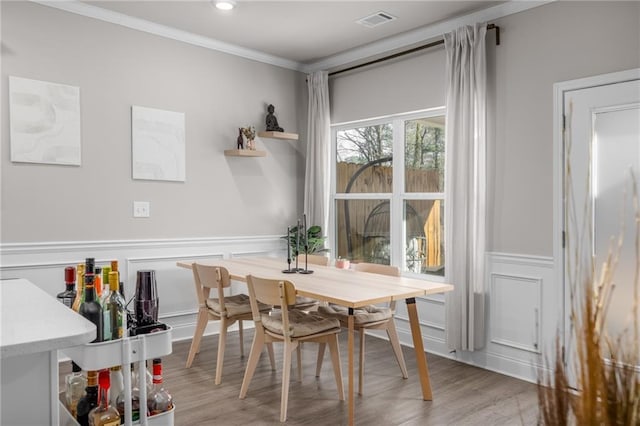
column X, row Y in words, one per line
column 466, row 185
column 316, row 182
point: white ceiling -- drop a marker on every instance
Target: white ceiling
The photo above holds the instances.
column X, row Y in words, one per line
column 301, row 31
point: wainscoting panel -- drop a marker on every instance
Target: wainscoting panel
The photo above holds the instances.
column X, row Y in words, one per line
column 514, row 304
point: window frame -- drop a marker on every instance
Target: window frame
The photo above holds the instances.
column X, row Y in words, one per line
column 398, row 195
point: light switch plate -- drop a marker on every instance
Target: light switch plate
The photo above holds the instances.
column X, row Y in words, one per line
column 141, row 209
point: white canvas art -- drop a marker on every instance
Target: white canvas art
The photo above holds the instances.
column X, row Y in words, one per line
column 44, row 121
column 158, row 139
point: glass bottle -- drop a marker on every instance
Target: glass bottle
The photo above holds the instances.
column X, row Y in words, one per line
column 158, row 399
column 80, row 289
column 90, row 308
column 90, row 400
column 117, row 384
column 114, row 310
column 98, row 282
column 69, row 295
column 135, row 400
column 104, row 414
column 75, row 383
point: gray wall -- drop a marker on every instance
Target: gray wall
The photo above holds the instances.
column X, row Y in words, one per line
column 116, row 68
column 555, row 42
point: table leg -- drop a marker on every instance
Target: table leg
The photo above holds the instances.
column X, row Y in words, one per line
column 351, row 379
column 421, row 357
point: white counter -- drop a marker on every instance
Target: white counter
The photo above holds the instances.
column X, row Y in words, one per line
column 33, row 326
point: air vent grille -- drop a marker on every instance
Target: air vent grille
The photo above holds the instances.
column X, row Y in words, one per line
column 376, row 19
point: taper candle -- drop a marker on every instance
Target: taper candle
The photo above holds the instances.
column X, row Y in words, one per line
column 298, row 239
column 288, row 243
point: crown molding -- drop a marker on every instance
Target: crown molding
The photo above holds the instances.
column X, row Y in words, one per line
column 421, row 35
column 386, row 45
column 90, row 11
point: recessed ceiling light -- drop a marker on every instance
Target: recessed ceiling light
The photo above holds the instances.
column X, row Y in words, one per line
column 225, row 4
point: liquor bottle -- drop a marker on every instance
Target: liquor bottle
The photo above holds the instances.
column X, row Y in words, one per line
column 80, row 289
column 135, row 400
column 158, row 400
column 90, row 308
column 114, row 310
column 90, row 400
column 98, row 282
column 69, row 295
column 104, row 414
column 117, row 384
column 105, row 278
column 114, row 268
column 75, row 383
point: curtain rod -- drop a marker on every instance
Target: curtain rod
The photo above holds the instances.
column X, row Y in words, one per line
column 415, row 49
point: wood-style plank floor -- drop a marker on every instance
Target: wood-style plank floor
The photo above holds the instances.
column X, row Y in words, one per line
column 463, row 395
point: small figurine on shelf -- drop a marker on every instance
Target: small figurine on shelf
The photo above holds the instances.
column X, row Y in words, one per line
column 240, row 140
column 272, row 121
column 249, row 132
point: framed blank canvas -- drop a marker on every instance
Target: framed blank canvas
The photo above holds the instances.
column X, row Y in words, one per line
column 44, row 121
column 158, row 144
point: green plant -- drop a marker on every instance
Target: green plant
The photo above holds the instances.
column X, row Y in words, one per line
column 314, row 240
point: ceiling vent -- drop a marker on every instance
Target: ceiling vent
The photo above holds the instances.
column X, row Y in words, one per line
column 376, row 19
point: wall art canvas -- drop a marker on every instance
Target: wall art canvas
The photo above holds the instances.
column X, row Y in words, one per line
column 44, row 122
column 158, row 144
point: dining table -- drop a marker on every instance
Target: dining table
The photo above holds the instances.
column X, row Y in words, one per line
column 346, row 287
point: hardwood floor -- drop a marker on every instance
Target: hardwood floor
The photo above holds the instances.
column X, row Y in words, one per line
column 463, row 395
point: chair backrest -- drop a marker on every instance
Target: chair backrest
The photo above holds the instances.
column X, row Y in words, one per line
column 207, row 277
column 377, row 268
column 314, row 259
column 271, row 292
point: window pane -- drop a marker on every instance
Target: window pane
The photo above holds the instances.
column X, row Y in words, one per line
column 424, row 154
column 363, row 162
column 363, row 230
column 424, row 236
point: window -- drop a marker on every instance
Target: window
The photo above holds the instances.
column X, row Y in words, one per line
column 388, row 191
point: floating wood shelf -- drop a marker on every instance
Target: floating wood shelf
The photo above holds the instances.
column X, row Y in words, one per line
column 279, row 135
column 244, row 153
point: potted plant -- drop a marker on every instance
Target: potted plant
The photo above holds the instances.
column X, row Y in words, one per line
column 313, row 240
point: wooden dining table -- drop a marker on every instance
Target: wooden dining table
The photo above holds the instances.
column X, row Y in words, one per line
column 348, row 288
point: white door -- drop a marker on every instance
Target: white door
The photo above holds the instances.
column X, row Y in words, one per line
column 601, row 147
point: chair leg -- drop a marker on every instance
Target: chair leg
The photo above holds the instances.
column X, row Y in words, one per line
column 299, row 353
column 222, row 341
column 201, row 324
column 252, row 363
column 397, row 349
column 361, row 362
column 321, row 348
column 241, row 338
column 286, row 374
column 335, row 360
column 272, row 357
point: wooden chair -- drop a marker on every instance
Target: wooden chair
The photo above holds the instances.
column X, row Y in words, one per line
column 290, row 327
column 370, row 317
column 226, row 309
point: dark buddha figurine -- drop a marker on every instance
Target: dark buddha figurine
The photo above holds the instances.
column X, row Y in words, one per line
column 272, row 121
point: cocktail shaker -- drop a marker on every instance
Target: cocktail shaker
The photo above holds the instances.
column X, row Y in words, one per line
column 146, row 298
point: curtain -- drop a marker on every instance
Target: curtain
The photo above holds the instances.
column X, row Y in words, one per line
column 466, row 185
column 317, row 171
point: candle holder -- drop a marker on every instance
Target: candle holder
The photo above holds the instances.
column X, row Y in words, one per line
column 305, row 270
column 289, row 270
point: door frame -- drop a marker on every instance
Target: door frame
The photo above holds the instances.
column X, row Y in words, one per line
column 559, row 90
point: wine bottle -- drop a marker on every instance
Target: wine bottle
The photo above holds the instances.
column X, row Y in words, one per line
column 90, row 400
column 75, row 383
column 135, row 400
column 90, row 308
column 80, row 287
column 158, row 400
column 114, row 268
column 69, row 295
column 114, row 311
column 104, row 414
